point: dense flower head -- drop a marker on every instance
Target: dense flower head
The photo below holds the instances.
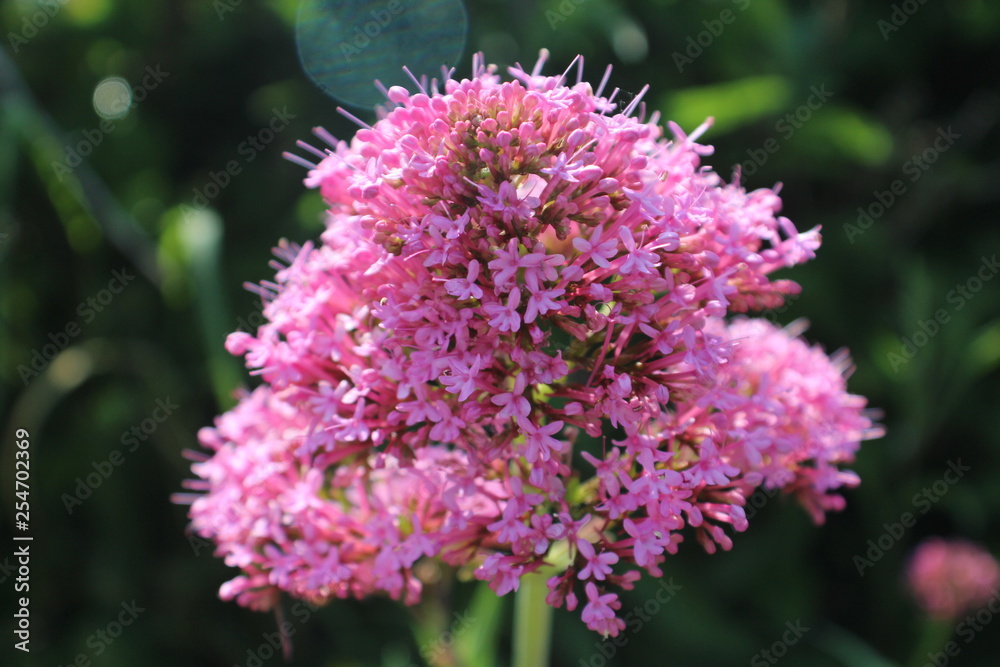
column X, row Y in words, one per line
column 509, row 351
column 951, row 577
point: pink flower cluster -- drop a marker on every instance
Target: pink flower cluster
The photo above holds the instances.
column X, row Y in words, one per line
column 509, row 352
column 951, row 577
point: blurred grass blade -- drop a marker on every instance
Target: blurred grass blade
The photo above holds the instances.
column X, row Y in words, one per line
column 478, row 646
column 79, row 195
column 200, row 236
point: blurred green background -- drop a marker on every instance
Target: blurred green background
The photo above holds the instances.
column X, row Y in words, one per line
column 831, row 98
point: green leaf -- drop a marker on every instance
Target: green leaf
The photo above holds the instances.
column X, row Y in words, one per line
column 733, row 104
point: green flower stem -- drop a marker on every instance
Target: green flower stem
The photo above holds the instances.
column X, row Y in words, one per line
column 935, row 635
column 532, row 622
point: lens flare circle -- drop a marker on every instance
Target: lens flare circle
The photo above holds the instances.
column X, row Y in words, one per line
column 344, row 46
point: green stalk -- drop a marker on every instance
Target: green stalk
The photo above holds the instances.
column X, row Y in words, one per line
column 935, row 635
column 532, row 622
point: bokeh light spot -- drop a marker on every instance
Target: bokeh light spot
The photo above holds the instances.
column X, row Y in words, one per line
column 88, row 12
column 113, row 98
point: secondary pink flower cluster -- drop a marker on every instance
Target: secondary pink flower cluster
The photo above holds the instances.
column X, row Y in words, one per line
column 509, row 352
column 951, row 577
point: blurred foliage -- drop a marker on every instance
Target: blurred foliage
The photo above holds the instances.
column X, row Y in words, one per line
column 226, row 66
